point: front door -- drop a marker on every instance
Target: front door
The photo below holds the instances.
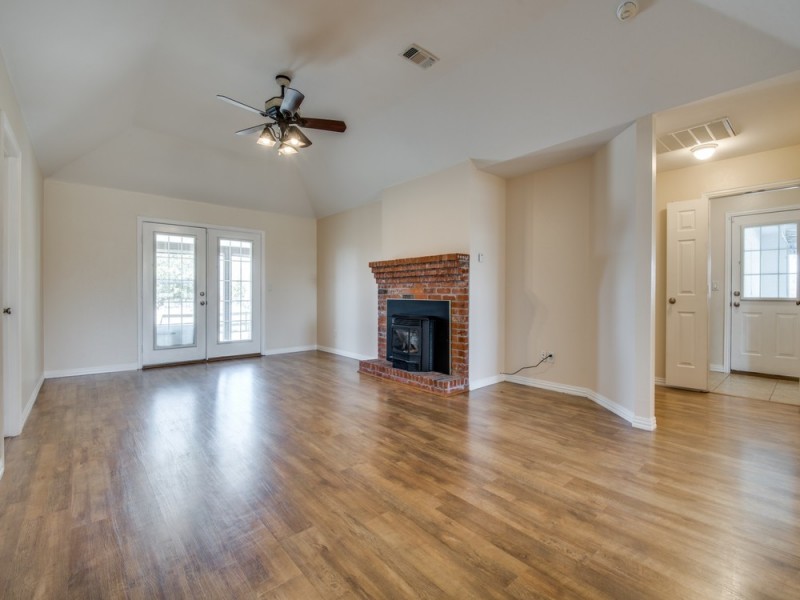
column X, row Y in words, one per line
column 765, row 316
column 200, row 293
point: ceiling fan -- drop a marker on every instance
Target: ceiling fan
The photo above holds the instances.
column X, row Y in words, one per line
column 284, row 130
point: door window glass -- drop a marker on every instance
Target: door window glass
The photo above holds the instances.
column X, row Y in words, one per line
column 769, row 261
column 235, row 290
column 174, row 290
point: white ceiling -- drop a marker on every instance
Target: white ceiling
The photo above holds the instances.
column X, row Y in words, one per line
column 122, row 94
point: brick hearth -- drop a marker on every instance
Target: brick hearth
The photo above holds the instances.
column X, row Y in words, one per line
column 443, row 277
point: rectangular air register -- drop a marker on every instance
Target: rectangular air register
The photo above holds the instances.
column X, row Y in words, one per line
column 419, row 56
column 693, row 136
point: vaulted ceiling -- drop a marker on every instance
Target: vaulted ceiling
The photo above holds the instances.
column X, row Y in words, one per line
column 122, row 93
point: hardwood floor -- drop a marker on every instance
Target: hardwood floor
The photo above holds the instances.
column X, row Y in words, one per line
column 294, row 477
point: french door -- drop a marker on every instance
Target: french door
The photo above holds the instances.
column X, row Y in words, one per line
column 765, row 311
column 200, row 293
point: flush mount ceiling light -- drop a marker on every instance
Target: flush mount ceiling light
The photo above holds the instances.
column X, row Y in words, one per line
column 627, row 10
column 704, row 151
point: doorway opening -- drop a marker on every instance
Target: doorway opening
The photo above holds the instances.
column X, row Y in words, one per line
column 763, row 311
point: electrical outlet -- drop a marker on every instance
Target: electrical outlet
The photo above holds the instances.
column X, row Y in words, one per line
column 548, row 356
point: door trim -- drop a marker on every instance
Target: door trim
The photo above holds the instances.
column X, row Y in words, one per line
column 11, row 271
column 139, row 274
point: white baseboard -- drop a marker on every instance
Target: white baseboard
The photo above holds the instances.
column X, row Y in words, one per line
column 291, row 350
column 91, row 370
column 475, row 384
column 344, row 353
column 620, row 411
column 717, row 368
column 2, row 465
column 31, row 401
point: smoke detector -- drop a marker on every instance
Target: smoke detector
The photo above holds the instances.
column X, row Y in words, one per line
column 627, row 10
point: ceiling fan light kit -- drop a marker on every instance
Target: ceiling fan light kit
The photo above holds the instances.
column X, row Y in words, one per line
column 267, row 138
column 284, row 130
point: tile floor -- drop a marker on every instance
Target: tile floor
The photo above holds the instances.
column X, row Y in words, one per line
column 758, row 388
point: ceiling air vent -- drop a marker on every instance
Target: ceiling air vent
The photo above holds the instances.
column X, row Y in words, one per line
column 419, row 56
column 699, row 134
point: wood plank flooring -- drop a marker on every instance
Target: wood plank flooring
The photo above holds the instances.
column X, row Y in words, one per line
column 294, row 477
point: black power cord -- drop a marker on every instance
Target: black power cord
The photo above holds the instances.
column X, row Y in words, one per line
column 544, row 358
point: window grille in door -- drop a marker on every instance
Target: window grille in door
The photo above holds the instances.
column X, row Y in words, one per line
column 769, row 262
column 175, row 290
column 235, row 290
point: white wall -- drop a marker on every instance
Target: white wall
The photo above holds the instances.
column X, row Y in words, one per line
column 759, row 170
column 90, row 273
column 29, row 312
column 347, row 301
column 487, row 290
column 624, row 274
column 429, row 215
column 549, row 291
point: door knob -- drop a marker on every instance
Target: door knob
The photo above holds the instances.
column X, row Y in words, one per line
column 672, row 300
column 736, row 305
column 797, row 302
column 736, row 294
column 7, row 310
column 202, row 302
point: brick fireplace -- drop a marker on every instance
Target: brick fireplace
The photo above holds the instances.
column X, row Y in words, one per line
column 443, row 277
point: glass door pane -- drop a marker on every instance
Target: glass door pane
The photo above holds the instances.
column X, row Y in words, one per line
column 173, row 293
column 175, row 290
column 234, row 309
column 235, row 290
column 769, row 261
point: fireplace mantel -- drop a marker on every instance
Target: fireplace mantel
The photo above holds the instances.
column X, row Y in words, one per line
column 442, row 277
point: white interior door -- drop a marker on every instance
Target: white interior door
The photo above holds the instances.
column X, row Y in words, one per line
column 687, row 294
column 765, row 316
column 201, row 293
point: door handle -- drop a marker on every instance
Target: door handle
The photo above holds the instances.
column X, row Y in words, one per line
column 7, row 310
column 797, row 302
column 736, row 294
column 736, row 305
column 202, row 302
column 672, row 301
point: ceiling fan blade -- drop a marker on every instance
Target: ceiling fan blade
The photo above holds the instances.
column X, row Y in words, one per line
column 324, row 124
column 241, row 105
column 292, row 99
column 250, row 130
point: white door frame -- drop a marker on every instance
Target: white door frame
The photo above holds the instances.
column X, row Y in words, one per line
column 139, row 275
column 10, row 204
column 720, row 194
column 729, row 216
